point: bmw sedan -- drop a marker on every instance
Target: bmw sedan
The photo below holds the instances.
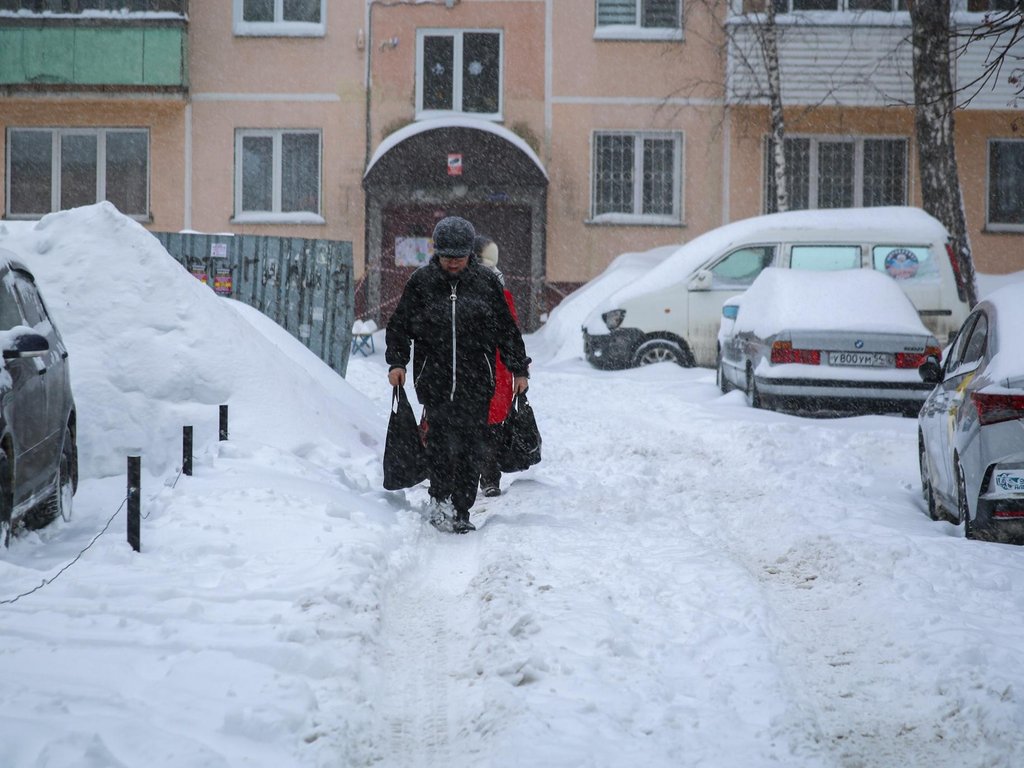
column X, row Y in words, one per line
column 38, row 450
column 842, row 341
column 971, row 428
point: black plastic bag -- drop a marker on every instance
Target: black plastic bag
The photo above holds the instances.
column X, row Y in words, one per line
column 521, row 445
column 405, row 459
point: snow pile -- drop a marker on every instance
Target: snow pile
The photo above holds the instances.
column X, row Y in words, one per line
column 153, row 350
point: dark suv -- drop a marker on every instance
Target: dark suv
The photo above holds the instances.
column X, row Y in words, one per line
column 38, row 451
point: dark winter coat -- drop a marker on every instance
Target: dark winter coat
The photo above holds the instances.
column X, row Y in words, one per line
column 454, row 318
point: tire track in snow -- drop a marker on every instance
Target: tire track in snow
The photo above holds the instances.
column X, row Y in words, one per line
column 427, row 622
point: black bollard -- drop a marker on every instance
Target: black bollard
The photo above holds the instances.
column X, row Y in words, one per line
column 134, row 502
column 223, row 422
column 186, row 451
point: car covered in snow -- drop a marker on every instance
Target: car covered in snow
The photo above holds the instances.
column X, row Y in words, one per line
column 38, row 449
column 846, row 341
column 672, row 312
column 971, row 427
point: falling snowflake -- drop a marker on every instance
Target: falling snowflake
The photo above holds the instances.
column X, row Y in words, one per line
column 475, row 68
column 438, row 69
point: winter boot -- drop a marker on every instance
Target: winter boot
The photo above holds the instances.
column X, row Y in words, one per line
column 462, row 524
column 490, row 486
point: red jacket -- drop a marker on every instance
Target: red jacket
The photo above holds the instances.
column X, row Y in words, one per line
column 501, row 403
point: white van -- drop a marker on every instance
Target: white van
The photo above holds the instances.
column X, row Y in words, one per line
column 672, row 313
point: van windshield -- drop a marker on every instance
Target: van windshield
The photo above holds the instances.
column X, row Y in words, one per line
column 825, row 258
column 905, row 262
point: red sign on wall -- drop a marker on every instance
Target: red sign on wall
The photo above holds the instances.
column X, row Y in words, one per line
column 455, row 165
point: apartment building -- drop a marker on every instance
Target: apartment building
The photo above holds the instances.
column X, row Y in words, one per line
column 568, row 130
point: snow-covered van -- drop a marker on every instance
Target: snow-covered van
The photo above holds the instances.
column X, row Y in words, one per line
column 672, row 313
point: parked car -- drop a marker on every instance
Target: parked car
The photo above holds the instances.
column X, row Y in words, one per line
column 971, row 427
column 804, row 340
column 672, row 313
column 38, row 448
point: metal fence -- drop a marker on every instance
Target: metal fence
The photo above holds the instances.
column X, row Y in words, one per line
column 305, row 286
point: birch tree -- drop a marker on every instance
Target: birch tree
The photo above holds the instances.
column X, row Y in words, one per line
column 934, row 125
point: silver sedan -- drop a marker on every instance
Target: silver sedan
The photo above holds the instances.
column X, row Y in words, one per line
column 847, row 341
column 971, row 427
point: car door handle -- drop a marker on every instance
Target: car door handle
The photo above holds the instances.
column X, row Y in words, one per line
column 42, row 371
column 64, row 355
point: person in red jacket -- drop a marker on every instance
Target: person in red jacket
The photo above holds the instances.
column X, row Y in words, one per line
column 501, row 403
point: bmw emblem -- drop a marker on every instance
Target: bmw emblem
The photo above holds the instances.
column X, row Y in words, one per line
column 858, row 344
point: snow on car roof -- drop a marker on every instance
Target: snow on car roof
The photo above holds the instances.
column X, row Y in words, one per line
column 796, row 299
column 899, row 223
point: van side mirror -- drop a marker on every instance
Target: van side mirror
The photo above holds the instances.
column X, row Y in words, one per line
column 930, row 371
column 701, row 280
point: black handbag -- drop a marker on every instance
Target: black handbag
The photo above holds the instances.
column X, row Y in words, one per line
column 405, row 459
column 521, row 445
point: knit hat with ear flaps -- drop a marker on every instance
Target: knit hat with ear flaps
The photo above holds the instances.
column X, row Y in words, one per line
column 453, row 237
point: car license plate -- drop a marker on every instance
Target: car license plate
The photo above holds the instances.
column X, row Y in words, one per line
column 1010, row 481
column 863, row 359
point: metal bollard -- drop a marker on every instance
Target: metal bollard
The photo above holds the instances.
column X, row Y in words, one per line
column 186, row 451
column 223, row 422
column 134, row 502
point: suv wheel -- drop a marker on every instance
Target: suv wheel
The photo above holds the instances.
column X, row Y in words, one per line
column 59, row 502
column 6, row 499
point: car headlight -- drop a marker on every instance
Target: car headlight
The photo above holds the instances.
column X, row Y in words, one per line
column 613, row 318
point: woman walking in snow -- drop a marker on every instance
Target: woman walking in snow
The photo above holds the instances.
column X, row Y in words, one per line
column 453, row 318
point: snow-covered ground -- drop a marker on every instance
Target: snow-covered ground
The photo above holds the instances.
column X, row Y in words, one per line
column 682, row 581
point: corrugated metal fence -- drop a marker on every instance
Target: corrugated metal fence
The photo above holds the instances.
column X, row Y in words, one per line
column 305, row 286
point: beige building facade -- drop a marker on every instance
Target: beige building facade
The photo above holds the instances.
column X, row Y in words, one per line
column 569, row 130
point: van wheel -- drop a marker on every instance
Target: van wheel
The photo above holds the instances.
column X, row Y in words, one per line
column 662, row 351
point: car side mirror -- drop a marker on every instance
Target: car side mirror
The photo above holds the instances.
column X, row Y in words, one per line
column 701, row 281
column 730, row 311
column 26, row 345
column 930, row 371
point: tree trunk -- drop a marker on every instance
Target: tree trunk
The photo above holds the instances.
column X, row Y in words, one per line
column 936, row 150
column 768, row 38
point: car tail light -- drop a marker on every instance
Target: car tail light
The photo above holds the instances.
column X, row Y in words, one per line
column 961, row 289
column 914, row 359
column 993, row 409
column 1008, row 514
column 783, row 352
column 613, row 318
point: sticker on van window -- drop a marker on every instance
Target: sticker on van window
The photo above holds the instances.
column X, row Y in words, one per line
column 901, row 264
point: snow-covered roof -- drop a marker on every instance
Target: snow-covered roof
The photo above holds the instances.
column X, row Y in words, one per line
column 421, row 126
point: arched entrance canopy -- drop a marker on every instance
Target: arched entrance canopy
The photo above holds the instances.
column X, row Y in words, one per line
column 415, row 152
column 455, row 166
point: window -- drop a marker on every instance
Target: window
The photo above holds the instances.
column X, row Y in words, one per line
column 294, row 18
column 277, row 175
column 458, row 71
column 643, row 19
column 636, row 177
column 830, row 172
column 825, row 257
column 739, row 268
column 51, row 169
column 905, row 262
column 1006, row 184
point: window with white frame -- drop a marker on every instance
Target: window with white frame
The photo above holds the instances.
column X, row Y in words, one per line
column 284, row 18
column 834, row 172
column 1006, row 184
column 636, row 177
column 51, row 169
column 277, row 175
column 659, row 19
column 458, row 71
